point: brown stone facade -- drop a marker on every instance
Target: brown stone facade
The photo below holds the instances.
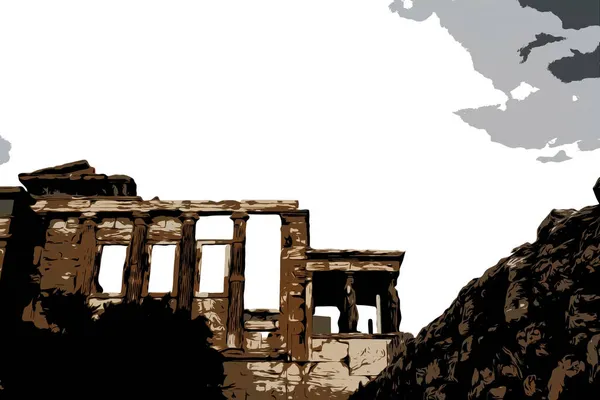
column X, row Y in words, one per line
column 54, row 231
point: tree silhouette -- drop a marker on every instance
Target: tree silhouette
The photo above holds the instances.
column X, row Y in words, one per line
column 128, row 350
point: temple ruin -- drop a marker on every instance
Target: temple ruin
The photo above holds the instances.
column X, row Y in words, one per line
column 63, row 218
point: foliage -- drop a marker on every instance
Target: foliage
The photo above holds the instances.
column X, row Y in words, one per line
column 131, row 349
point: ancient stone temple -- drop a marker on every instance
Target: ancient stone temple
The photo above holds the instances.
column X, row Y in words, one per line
column 65, row 218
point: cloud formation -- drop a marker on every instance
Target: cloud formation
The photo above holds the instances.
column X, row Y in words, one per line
column 516, row 42
column 5, row 147
column 558, row 157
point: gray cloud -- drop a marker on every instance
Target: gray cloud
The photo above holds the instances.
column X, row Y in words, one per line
column 558, row 157
column 574, row 14
column 510, row 42
column 540, row 40
column 5, row 147
column 577, row 67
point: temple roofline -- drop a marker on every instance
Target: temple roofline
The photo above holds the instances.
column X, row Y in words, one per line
column 76, row 167
column 334, row 254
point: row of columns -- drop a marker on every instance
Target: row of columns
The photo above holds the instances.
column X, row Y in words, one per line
column 136, row 271
column 388, row 307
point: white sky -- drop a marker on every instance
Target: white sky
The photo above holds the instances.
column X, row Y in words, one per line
column 341, row 105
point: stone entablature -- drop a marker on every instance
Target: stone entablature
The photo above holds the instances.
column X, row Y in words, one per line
column 294, row 361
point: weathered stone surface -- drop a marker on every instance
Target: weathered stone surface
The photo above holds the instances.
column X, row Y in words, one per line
column 285, row 380
column 62, row 277
column 368, row 356
column 165, row 229
column 254, row 341
column 4, row 227
column 59, row 266
column 123, row 206
column 63, row 231
column 331, row 380
column 357, row 266
column 120, row 232
column 215, row 311
column 293, row 253
column 61, row 251
column 107, row 223
column 255, row 380
column 100, row 303
column 261, row 325
column 267, row 343
column 294, row 381
column 328, row 350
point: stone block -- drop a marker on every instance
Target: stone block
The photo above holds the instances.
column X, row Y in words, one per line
column 101, row 303
column 328, row 350
column 123, row 223
column 61, row 251
column 215, row 311
column 113, row 235
column 294, row 253
column 63, row 231
column 115, row 230
column 59, row 274
column 368, row 356
column 330, row 380
column 164, row 229
column 4, row 226
column 253, row 341
column 259, row 380
column 267, row 369
column 296, row 388
column 107, row 223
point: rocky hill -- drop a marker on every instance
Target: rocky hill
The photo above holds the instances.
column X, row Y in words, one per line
column 527, row 329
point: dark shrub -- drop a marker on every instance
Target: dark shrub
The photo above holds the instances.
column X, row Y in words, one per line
column 132, row 350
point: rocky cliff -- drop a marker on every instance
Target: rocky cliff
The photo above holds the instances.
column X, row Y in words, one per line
column 527, row 329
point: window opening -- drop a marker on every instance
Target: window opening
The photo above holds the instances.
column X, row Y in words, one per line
column 162, row 268
column 112, row 264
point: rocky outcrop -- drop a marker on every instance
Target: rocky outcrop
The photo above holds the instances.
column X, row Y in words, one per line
column 527, row 329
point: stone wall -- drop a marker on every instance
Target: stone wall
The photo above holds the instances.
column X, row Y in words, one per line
column 61, row 261
column 335, row 369
column 288, row 363
column 330, row 366
column 61, row 265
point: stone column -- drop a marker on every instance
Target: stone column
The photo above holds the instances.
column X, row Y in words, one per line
column 235, row 320
column 86, row 280
column 293, row 323
column 348, row 321
column 310, row 310
column 379, row 312
column 389, row 313
column 187, row 263
column 137, row 262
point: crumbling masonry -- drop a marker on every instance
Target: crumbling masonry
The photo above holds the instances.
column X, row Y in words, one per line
column 59, row 223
